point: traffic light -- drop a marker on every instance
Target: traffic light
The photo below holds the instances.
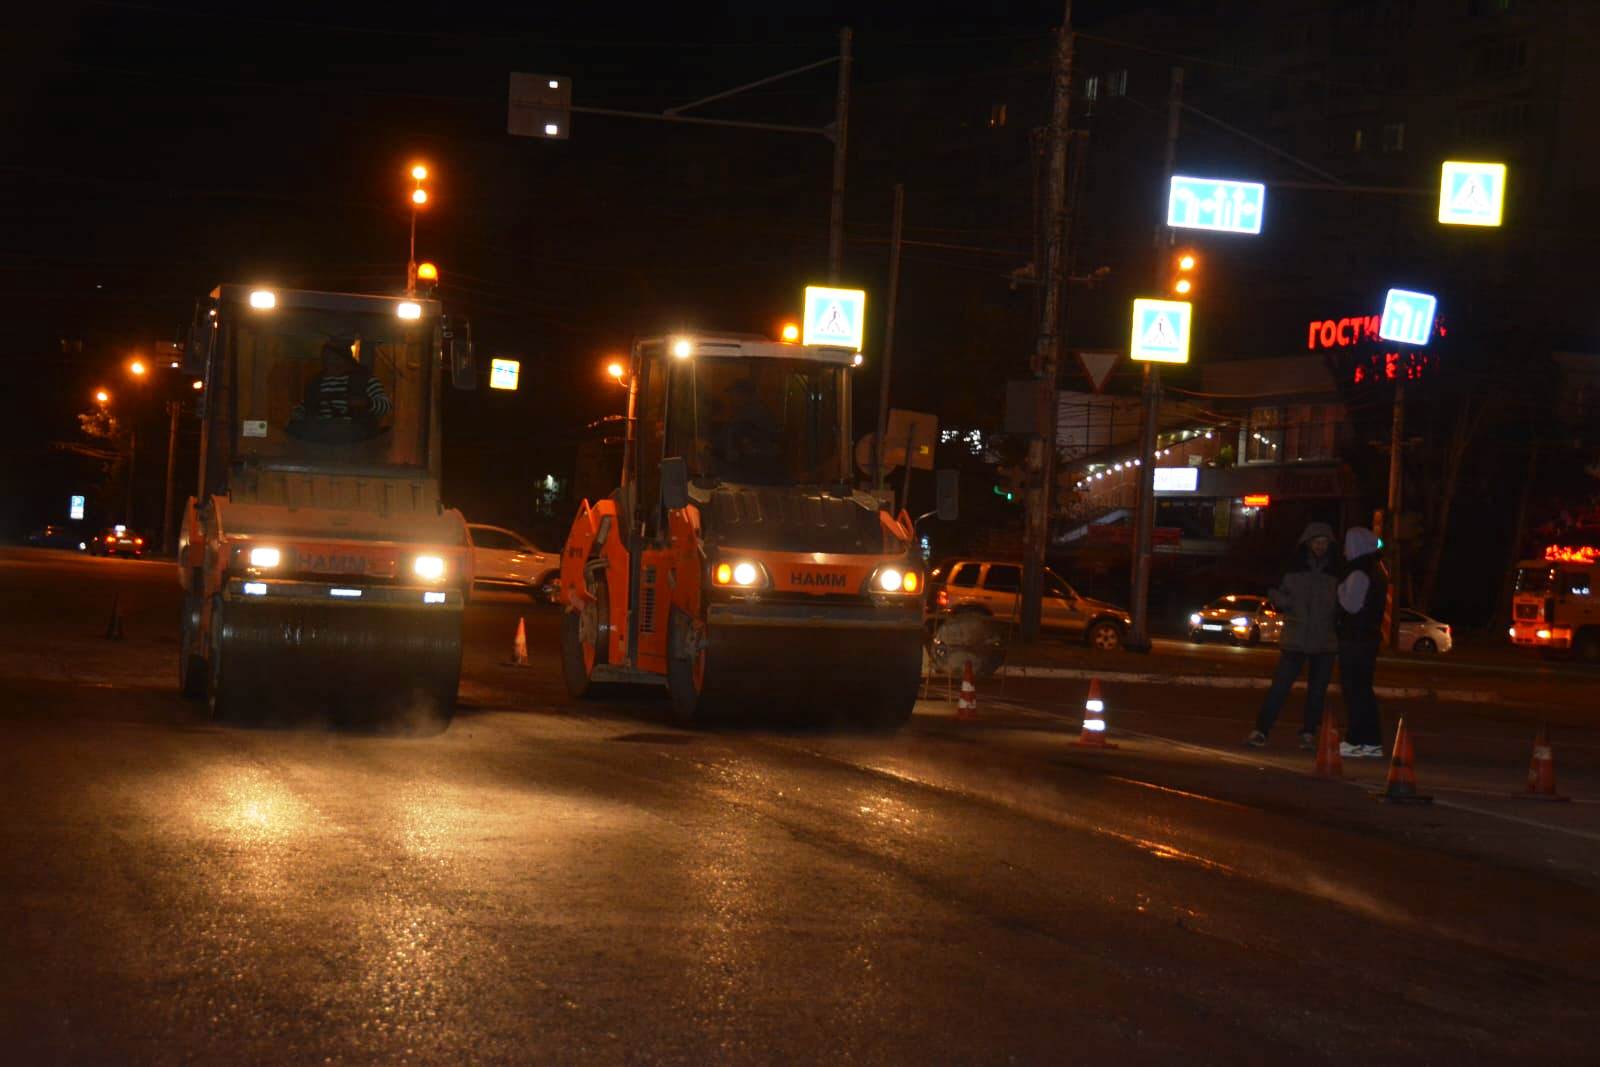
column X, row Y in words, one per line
column 1012, row 480
column 1185, row 264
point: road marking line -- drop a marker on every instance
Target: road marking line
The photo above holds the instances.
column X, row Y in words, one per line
column 1241, row 758
column 1236, row 681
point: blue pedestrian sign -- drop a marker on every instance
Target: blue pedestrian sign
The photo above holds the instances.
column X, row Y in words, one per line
column 75, row 509
column 503, row 373
column 1407, row 317
column 1216, row 204
column 835, row 317
column 1160, row 331
column 1472, row 194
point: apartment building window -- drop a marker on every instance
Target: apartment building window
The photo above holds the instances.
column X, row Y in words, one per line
column 1358, row 141
column 1501, row 58
column 997, row 116
column 1310, row 432
column 1117, row 83
column 1394, row 137
column 1263, row 435
column 1091, row 87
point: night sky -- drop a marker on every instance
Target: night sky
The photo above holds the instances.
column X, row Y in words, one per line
column 153, row 150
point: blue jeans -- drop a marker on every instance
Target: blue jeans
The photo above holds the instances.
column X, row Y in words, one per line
column 1289, row 664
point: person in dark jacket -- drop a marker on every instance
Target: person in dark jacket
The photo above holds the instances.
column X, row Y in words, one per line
column 1308, row 598
column 1362, row 597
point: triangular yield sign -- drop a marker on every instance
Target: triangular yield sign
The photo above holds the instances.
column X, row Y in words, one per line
column 1471, row 196
column 1098, row 365
column 1160, row 333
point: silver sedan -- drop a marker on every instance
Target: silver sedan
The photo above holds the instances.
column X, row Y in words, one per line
column 1248, row 619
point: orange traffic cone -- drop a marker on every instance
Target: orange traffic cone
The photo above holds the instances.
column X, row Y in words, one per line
column 967, row 706
column 1329, row 763
column 1093, row 734
column 1401, row 787
column 519, row 646
column 1542, row 770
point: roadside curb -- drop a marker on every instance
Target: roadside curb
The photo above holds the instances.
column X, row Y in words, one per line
column 1236, row 681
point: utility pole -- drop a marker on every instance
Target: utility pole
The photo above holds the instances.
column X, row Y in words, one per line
column 1397, row 429
column 1047, row 355
column 896, row 228
column 1145, row 515
column 167, row 546
column 127, row 504
column 841, row 127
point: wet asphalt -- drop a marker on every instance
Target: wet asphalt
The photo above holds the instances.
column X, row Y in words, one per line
column 549, row 882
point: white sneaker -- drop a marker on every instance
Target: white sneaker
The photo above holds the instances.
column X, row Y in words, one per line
column 1372, row 751
column 1349, row 751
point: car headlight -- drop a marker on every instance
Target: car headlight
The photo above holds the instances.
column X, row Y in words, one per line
column 265, row 557
column 739, row 574
column 428, row 568
column 1194, row 620
column 1240, row 623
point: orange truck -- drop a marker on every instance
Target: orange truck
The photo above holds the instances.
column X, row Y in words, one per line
column 1556, row 603
column 322, row 575
column 735, row 563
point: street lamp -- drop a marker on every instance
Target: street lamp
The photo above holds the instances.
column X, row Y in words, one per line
column 419, row 199
column 137, row 368
column 102, row 397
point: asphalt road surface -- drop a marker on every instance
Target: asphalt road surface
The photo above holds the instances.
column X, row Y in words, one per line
column 550, row 882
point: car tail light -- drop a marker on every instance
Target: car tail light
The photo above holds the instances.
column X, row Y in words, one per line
column 1447, row 630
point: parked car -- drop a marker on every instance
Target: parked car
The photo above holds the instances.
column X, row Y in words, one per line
column 117, row 541
column 1249, row 619
column 994, row 587
column 502, row 557
column 1423, row 633
column 57, row 536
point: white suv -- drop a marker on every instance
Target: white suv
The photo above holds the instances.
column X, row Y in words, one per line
column 506, row 558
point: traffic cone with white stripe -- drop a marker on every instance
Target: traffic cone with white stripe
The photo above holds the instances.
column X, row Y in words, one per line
column 519, row 645
column 1093, row 734
column 967, row 706
column 1401, row 787
column 1542, row 770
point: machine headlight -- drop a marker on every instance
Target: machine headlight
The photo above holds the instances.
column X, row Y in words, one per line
column 265, row 557
column 408, row 309
column 1240, row 622
column 263, row 299
column 428, row 568
column 892, row 579
column 739, row 573
column 1194, row 620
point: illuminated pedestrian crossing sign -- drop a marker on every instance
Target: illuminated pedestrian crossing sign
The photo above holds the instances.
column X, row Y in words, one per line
column 503, row 373
column 1407, row 317
column 1472, row 194
column 1160, row 331
column 1216, row 204
column 835, row 317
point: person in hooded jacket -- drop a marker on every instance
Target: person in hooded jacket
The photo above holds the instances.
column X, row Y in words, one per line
column 1362, row 597
column 1308, row 598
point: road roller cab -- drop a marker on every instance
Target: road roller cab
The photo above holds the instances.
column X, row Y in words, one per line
column 736, row 563
column 322, row 574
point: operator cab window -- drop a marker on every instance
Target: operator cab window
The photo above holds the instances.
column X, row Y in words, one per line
column 1003, row 578
column 965, row 575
